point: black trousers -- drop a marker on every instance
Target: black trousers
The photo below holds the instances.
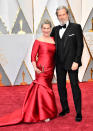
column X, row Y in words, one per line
column 61, row 81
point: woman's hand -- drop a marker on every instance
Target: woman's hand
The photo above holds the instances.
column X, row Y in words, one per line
column 37, row 70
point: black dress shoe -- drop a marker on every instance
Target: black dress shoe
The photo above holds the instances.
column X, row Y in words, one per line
column 64, row 112
column 78, row 117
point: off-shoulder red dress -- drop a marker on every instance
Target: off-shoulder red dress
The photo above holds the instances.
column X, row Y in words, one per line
column 39, row 103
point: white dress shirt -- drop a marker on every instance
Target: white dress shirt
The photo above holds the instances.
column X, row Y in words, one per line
column 61, row 31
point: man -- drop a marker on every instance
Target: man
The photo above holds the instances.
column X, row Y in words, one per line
column 69, row 46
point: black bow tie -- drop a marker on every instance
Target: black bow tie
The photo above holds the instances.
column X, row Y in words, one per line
column 63, row 26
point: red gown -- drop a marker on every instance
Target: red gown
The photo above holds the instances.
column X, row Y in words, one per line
column 39, row 103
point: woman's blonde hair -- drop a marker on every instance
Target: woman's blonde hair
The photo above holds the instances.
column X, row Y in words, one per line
column 46, row 21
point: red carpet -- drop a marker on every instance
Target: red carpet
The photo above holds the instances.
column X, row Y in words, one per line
column 11, row 98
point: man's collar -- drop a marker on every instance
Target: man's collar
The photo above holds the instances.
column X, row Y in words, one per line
column 67, row 23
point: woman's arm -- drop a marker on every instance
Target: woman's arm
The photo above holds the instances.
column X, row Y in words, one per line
column 35, row 67
column 35, row 49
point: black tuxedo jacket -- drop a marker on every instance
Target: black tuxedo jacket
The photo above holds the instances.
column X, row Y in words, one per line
column 69, row 48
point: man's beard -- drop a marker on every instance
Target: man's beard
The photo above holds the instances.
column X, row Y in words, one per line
column 63, row 22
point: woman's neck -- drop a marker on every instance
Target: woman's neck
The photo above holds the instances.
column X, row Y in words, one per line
column 45, row 37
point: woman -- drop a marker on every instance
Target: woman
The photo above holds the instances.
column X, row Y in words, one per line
column 39, row 103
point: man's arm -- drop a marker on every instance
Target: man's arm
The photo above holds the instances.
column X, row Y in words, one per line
column 53, row 32
column 79, row 37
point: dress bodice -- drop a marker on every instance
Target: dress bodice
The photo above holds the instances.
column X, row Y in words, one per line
column 46, row 53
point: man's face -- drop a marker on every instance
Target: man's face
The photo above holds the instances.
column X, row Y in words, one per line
column 62, row 16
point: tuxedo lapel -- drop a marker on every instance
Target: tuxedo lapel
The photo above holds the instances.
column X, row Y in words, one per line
column 57, row 36
column 64, row 38
column 65, row 35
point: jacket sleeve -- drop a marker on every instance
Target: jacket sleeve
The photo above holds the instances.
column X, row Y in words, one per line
column 53, row 32
column 34, row 52
column 80, row 44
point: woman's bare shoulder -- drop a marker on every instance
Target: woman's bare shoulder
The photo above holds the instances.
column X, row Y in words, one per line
column 40, row 38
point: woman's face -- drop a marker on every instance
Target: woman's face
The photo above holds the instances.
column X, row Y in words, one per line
column 46, row 30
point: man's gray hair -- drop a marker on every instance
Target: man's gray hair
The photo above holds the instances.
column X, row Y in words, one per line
column 62, row 7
